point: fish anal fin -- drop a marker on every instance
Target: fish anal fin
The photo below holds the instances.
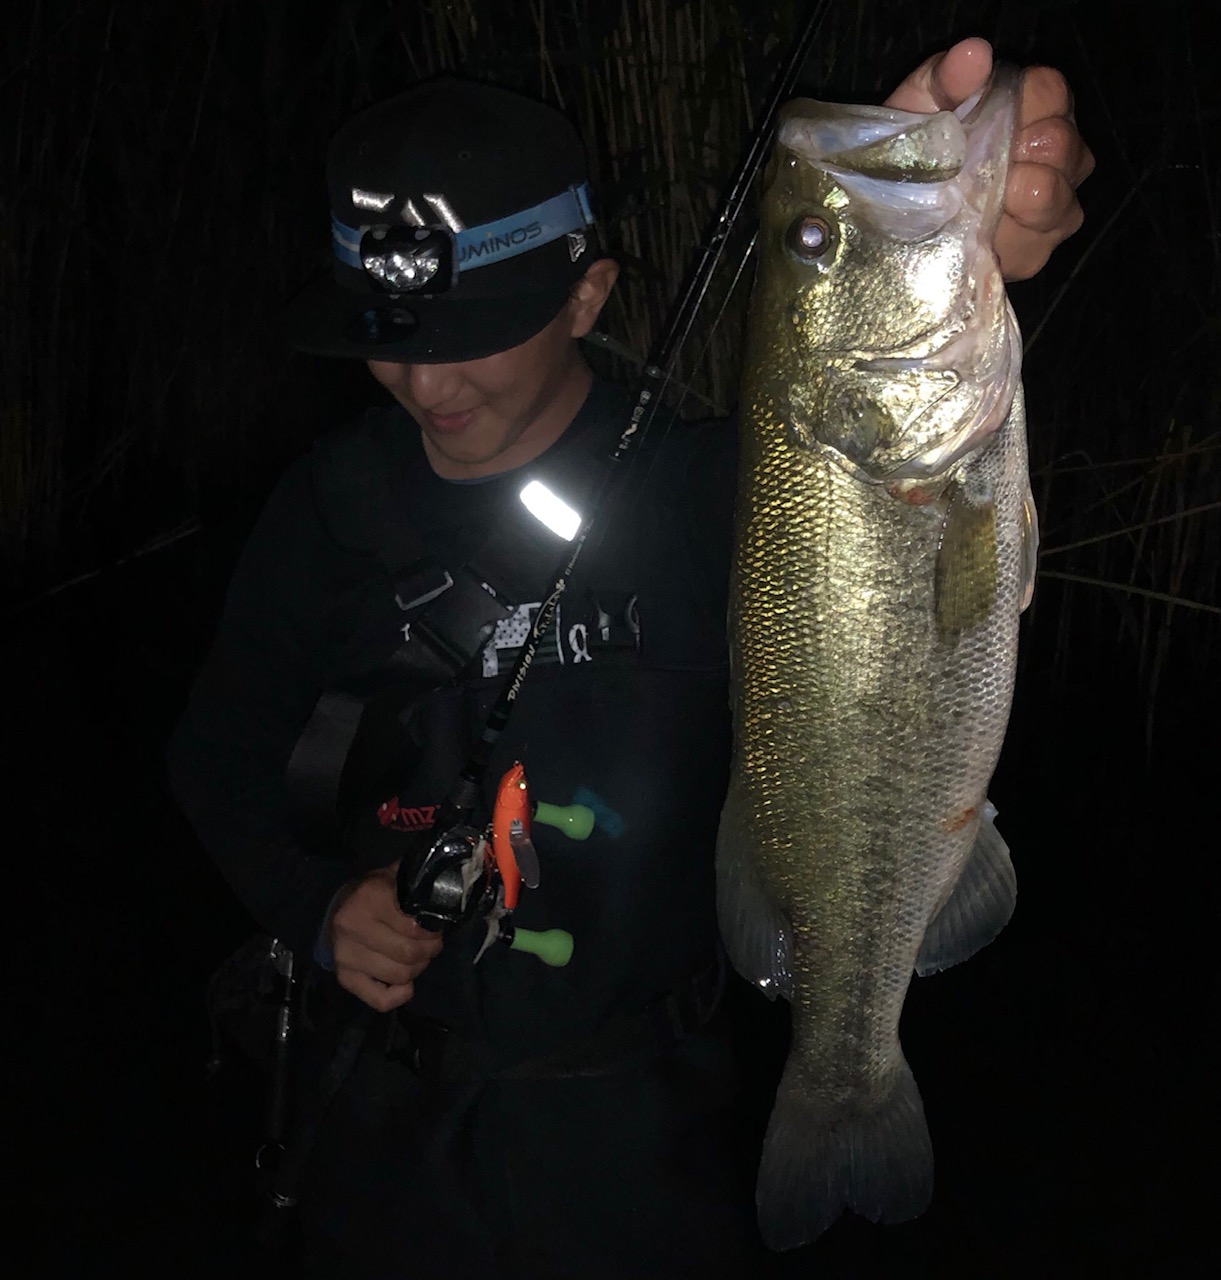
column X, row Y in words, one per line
column 757, row 934
column 819, row 1161
column 966, row 573
column 978, row 907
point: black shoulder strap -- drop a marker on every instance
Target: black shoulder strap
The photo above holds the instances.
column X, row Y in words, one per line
column 449, row 611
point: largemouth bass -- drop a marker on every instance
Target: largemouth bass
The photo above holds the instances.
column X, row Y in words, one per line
column 884, row 547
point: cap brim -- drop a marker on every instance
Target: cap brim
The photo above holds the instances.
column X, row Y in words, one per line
column 330, row 320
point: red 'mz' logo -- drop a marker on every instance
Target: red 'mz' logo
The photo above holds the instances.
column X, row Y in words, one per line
column 401, row 817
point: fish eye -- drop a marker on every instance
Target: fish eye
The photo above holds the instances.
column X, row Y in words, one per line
column 810, row 237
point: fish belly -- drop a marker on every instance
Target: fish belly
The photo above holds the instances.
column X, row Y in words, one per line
column 865, row 736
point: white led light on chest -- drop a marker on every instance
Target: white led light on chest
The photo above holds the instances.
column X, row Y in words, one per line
column 551, row 510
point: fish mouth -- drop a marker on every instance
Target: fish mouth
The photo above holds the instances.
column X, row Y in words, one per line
column 882, row 142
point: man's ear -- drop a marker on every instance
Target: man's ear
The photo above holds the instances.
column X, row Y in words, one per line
column 589, row 295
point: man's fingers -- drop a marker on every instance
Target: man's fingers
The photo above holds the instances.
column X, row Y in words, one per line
column 403, row 940
column 1024, row 253
column 376, row 964
column 960, row 72
column 373, row 901
column 1051, row 141
column 376, row 938
column 1055, row 142
column 410, row 927
column 1045, row 93
column 1041, row 198
column 1050, row 161
column 382, row 983
column 946, row 79
column 377, row 995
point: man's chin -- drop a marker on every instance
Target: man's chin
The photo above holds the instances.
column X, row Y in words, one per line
column 456, row 458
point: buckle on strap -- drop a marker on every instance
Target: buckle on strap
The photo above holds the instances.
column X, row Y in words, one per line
column 459, row 620
column 419, row 584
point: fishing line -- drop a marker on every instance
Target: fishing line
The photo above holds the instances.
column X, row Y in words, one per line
column 701, row 355
column 640, row 456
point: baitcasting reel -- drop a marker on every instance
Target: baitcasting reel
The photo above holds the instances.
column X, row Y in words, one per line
column 467, row 872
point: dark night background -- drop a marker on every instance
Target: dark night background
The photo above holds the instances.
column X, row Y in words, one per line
column 163, row 196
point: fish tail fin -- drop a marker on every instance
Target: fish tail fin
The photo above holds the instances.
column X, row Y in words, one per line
column 819, row 1160
column 757, row 934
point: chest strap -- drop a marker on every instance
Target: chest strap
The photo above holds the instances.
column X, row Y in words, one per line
column 449, row 614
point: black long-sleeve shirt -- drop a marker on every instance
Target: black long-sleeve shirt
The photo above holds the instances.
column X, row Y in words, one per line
column 644, row 737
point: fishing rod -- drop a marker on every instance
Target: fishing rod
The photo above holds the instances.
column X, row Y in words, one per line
column 463, row 800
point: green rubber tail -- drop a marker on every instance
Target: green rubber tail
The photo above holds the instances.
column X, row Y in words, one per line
column 576, row 821
column 552, row 946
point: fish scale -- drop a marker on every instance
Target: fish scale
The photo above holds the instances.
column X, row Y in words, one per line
column 883, row 553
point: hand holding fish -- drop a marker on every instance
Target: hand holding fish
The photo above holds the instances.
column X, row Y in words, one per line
column 1049, row 158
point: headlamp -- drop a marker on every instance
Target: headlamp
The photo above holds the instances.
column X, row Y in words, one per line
column 423, row 261
column 418, row 260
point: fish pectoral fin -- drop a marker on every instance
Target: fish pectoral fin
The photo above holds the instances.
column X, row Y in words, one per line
column 966, row 574
column 978, row 908
column 757, row 934
column 819, row 1160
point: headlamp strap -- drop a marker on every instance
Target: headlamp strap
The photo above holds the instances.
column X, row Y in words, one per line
column 562, row 215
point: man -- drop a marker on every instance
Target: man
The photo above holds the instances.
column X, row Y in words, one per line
column 508, row 1117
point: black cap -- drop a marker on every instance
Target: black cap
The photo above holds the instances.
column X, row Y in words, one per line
column 491, row 184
